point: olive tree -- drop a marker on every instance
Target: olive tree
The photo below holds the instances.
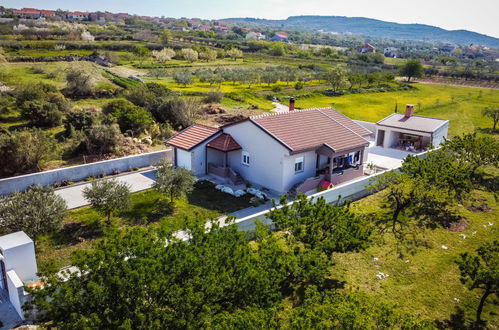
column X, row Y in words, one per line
column 173, row 181
column 492, row 113
column 189, row 54
column 108, row 196
column 37, row 211
column 411, row 69
column 481, row 271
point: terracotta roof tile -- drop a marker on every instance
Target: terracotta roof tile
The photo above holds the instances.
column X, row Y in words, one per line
column 311, row 128
column 224, row 142
column 192, row 136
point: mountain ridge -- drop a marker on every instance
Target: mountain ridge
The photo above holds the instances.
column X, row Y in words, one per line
column 371, row 27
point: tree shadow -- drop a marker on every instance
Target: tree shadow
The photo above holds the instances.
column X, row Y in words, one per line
column 206, row 196
column 457, row 321
column 77, row 232
column 487, row 130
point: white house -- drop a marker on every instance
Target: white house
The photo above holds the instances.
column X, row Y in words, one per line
column 409, row 132
column 255, row 35
column 17, row 268
column 277, row 151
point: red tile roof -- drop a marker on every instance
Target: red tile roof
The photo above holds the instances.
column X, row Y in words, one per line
column 308, row 129
column 224, row 142
column 192, row 136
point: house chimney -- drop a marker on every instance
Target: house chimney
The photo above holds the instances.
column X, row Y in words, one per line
column 409, row 110
column 291, row 104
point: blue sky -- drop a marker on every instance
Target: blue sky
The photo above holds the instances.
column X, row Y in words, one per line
column 477, row 15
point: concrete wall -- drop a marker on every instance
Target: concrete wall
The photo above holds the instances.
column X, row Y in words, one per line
column 16, row 292
column 266, row 155
column 440, row 135
column 80, row 172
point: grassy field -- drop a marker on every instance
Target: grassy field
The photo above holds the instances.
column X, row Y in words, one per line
column 84, row 226
column 461, row 105
column 427, row 282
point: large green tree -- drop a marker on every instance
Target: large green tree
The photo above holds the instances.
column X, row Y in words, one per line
column 320, row 225
column 37, row 211
column 143, row 279
column 481, row 271
column 337, row 77
column 411, row 69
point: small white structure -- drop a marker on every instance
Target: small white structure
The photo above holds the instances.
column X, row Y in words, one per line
column 17, row 268
column 410, row 132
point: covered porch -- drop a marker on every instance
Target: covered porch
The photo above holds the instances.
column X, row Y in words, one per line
column 217, row 152
column 340, row 166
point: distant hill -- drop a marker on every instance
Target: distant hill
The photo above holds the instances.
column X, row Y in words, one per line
column 374, row 28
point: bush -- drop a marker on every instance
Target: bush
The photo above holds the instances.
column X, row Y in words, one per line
column 102, row 139
column 80, row 83
column 128, row 115
column 214, row 97
column 79, row 120
column 25, row 151
column 41, row 113
column 299, row 85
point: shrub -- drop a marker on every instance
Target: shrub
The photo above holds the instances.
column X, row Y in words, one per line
column 299, row 85
column 41, row 113
column 25, row 150
column 79, row 120
column 79, row 83
column 102, row 139
column 128, row 115
column 214, row 97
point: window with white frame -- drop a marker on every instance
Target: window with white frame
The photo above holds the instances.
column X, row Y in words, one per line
column 298, row 164
column 245, row 158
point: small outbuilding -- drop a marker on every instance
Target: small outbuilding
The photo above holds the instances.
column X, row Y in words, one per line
column 409, row 132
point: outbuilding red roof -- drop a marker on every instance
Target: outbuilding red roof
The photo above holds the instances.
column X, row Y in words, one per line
column 308, row 129
column 192, row 136
column 224, row 142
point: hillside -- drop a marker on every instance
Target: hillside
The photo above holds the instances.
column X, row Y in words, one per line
column 373, row 28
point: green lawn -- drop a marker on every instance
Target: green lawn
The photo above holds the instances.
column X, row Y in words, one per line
column 84, row 226
column 461, row 105
column 48, row 53
column 426, row 283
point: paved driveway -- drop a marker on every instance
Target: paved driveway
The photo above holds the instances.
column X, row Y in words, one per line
column 73, row 195
column 386, row 158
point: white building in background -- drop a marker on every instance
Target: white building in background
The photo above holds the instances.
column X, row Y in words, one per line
column 17, row 268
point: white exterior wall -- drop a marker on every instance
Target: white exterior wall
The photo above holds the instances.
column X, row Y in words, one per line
column 266, row 156
column 21, row 259
column 440, row 135
column 199, row 157
column 16, row 292
column 183, row 159
column 291, row 178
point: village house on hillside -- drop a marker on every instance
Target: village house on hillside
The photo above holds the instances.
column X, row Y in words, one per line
column 367, row 48
column 280, row 36
column 255, row 35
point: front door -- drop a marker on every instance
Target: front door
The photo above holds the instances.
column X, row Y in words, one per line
column 381, row 137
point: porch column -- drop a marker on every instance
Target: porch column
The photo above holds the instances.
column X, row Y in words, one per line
column 225, row 159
